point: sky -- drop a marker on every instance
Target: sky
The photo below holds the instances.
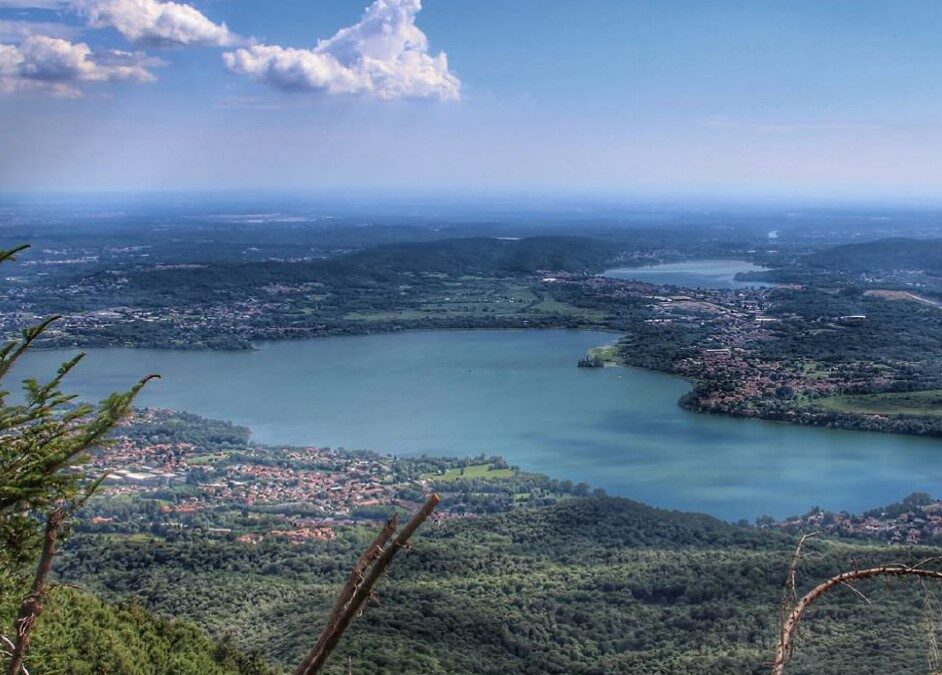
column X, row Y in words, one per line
column 743, row 99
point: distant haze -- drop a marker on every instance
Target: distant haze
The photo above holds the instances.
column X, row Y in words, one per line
column 737, row 99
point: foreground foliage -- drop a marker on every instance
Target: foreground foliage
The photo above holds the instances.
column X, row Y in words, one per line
column 79, row 634
column 44, row 442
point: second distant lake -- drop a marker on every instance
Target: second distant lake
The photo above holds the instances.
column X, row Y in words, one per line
column 519, row 394
column 692, row 274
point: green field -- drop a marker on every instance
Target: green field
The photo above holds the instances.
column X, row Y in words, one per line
column 917, row 403
column 565, row 309
column 608, row 353
column 209, row 458
column 470, row 472
column 392, row 315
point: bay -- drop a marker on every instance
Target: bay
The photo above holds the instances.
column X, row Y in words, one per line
column 692, row 274
column 518, row 394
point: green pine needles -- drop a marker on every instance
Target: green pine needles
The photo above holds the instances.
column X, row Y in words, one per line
column 44, row 441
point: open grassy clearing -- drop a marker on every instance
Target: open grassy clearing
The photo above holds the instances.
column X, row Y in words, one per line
column 918, row 403
column 394, row 315
column 209, row 458
column 470, row 472
column 564, row 309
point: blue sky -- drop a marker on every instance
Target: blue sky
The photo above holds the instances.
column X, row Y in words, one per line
column 753, row 99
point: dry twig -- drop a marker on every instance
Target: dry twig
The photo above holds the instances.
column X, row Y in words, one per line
column 359, row 587
column 792, row 618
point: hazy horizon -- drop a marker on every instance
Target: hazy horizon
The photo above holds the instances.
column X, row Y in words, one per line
column 516, row 200
column 734, row 101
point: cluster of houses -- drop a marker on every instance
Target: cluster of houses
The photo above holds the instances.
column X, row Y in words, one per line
column 914, row 524
column 358, row 483
column 189, row 479
column 727, row 328
column 129, row 463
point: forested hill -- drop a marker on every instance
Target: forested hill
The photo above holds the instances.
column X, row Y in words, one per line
column 616, row 523
column 369, row 270
column 483, row 255
column 898, row 253
column 592, row 586
column 79, row 634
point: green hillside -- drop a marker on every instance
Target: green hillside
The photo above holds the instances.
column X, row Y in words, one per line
column 898, row 253
column 78, row 634
column 483, row 255
column 594, row 585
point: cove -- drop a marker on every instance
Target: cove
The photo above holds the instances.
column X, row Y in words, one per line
column 692, row 274
column 518, row 394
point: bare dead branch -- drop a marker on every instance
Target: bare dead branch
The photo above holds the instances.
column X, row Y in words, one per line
column 790, row 623
column 790, row 588
column 926, row 561
column 359, row 569
column 374, row 563
column 933, row 660
column 32, row 605
column 791, row 581
column 858, row 592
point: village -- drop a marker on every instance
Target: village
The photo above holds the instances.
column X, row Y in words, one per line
column 917, row 520
column 167, row 471
column 307, row 493
column 785, row 353
column 186, row 478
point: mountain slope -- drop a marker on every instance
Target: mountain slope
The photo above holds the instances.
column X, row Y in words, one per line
column 79, row 634
column 898, row 253
column 595, row 585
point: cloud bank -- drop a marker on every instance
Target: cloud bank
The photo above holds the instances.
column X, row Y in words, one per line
column 42, row 64
column 384, row 55
column 155, row 23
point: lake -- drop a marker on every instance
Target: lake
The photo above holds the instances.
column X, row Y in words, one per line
column 519, row 394
column 692, row 274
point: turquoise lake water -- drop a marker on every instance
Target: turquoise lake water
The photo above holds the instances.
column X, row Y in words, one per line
column 520, row 395
column 692, row 274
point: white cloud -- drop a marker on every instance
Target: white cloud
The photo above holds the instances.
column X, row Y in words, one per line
column 156, row 23
column 33, row 4
column 16, row 30
column 42, row 64
column 383, row 55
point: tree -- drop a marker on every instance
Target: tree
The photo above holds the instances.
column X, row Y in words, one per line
column 918, row 499
column 44, row 440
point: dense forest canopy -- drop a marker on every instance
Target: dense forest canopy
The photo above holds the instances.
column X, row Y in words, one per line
column 592, row 585
column 898, row 253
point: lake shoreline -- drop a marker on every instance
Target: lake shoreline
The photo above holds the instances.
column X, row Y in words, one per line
column 847, row 421
column 518, row 394
column 720, row 273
